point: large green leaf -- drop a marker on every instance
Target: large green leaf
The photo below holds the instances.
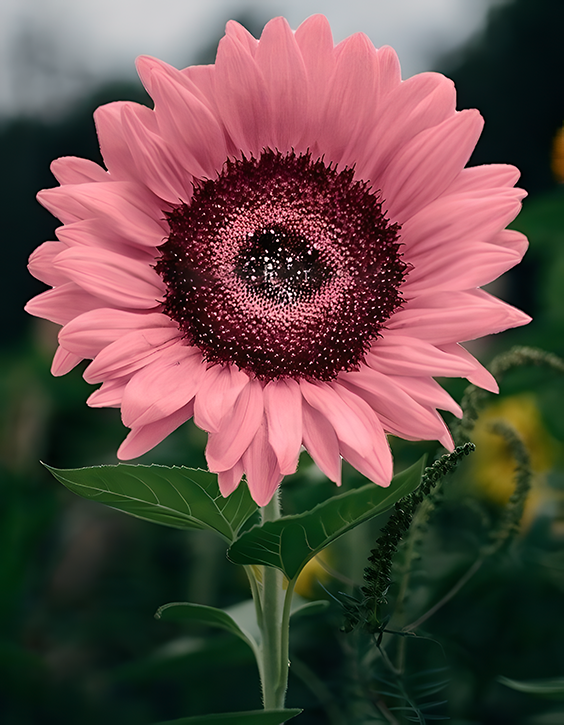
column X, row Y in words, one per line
column 553, row 689
column 290, row 542
column 240, row 619
column 187, row 612
column 184, row 498
column 251, row 717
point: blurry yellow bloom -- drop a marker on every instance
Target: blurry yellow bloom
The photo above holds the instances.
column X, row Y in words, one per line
column 314, row 571
column 558, row 156
column 493, row 465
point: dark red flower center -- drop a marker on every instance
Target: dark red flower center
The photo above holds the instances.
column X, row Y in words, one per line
column 283, row 266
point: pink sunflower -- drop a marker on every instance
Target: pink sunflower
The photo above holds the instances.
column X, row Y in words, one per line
column 288, row 249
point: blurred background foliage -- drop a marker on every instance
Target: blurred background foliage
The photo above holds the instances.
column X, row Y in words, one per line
column 79, row 583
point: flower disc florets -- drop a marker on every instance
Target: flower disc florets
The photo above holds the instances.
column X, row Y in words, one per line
column 282, row 265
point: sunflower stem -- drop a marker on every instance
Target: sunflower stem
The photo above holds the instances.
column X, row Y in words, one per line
column 274, row 622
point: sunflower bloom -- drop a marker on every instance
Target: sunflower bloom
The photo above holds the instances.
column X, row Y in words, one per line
column 288, row 249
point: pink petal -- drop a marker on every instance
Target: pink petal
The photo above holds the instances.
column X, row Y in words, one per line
column 131, row 210
column 189, row 127
column 283, row 408
column 92, row 331
column 109, row 395
column 378, row 459
column 63, row 362
column 119, row 280
column 389, row 71
column 402, row 355
column 156, row 166
column 315, row 42
column 62, row 304
column 142, row 439
column 73, row 170
column 41, row 262
column 510, row 239
column 349, row 423
column 241, row 35
column 281, row 64
column 455, row 221
column 238, row 429
column 242, row 97
column 427, row 392
column 419, row 103
column 202, row 80
column 479, row 375
column 321, row 442
column 150, row 68
column 131, row 353
column 100, row 233
column 261, row 467
column 217, row 394
column 353, row 97
column 229, row 480
column 453, row 269
column 163, row 386
column 490, row 176
column 115, row 152
column 371, row 466
column 447, row 317
column 429, row 163
column 399, row 412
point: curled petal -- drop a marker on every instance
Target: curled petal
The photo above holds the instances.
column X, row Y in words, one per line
column 131, row 353
column 73, row 170
column 62, row 303
column 156, row 165
column 478, row 375
column 42, row 264
column 229, row 480
column 162, row 387
column 109, row 395
column 399, row 410
column 238, row 429
column 217, row 394
column 64, row 361
column 142, row 439
column 261, row 467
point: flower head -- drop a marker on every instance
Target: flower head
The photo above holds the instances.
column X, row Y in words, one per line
column 288, row 248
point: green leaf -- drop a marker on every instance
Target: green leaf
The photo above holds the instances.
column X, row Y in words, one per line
column 551, row 688
column 301, row 608
column 290, row 542
column 187, row 612
column 183, row 498
column 251, row 717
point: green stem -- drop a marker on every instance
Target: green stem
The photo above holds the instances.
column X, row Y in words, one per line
column 274, row 622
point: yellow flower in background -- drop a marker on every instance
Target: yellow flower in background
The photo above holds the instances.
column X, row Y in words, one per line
column 313, row 572
column 557, row 162
column 493, row 465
